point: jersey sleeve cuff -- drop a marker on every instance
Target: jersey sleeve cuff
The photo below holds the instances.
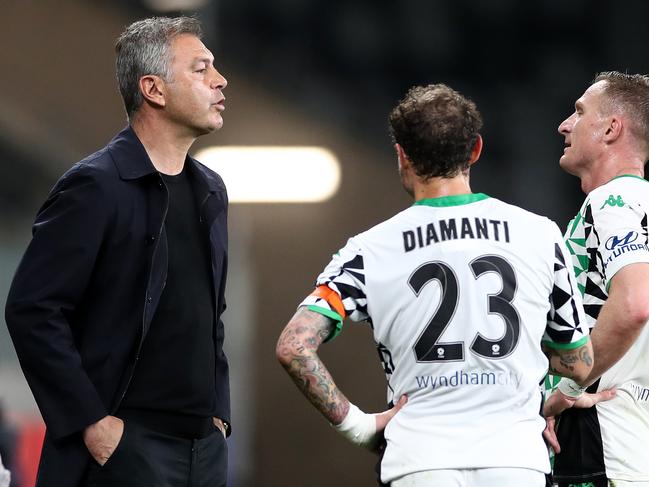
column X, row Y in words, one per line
column 567, row 346
column 612, row 270
column 329, row 314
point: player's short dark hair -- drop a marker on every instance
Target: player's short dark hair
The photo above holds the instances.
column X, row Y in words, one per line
column 144, row 49
column 630, row 93
column 437, row 128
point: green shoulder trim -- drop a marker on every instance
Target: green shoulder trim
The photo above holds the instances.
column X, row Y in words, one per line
column 452, row 200
column 567, row 346
column 575, row 222
column 629, row 176
column 329, row 314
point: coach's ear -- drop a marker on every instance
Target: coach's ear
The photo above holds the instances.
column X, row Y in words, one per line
column 477, row 150
column 152, row 89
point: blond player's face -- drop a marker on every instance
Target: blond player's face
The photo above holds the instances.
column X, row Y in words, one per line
column 194, row 97
column 583, row 131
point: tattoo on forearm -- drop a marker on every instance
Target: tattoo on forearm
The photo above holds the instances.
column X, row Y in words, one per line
column 296, row 348
column 564, row 362
column 585, row 357
column 568, row 360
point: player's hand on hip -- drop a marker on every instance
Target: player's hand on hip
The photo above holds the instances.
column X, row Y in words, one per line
column 102, row 438
column 364, row 429
column 550, row 434
column 559, row 402
column 377, row 445
column 382, row 419
column 589, row 400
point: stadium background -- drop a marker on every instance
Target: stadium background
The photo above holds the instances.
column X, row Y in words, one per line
column 303, row 73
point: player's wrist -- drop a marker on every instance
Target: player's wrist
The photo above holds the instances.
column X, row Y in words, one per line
column 358, row 427
column 570, row 388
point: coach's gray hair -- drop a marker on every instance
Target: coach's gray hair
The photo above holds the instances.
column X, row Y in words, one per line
column 143, row 49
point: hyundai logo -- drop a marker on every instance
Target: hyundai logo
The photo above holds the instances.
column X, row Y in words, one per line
column 616, row 241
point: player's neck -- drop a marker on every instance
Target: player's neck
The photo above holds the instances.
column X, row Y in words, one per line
column 438, row 187
column 609, row 169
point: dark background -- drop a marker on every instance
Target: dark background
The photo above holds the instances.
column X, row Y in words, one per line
column 300, row 73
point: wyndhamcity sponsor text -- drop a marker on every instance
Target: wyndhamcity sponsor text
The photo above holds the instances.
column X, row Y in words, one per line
column 474, row 377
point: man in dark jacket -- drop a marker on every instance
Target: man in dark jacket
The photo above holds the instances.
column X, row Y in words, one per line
column 115, row 308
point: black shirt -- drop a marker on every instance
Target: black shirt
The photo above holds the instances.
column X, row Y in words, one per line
column 173, row 385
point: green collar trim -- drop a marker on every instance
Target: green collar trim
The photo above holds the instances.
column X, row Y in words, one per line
column 628, row 176
column 452, row 200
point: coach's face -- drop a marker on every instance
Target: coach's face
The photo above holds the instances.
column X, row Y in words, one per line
column 194, row 94
column 584, row 131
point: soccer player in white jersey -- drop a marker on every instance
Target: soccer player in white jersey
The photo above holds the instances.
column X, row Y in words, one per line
column 607, row 146
column 462, row 292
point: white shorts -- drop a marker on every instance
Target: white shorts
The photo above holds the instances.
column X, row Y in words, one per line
column 473, row 477
column 627, row 483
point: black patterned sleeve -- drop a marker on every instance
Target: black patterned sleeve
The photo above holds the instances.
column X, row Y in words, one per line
column 345, row 275
column 566, row 324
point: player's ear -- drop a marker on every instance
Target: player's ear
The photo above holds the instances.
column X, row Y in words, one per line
column 613, row 129
column 404, row 162
column 153, row 90
column 476, row 151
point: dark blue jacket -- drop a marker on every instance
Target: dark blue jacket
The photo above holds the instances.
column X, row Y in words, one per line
column 85, row 292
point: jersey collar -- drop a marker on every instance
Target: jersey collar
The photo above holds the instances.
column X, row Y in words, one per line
column 628, row 176
column 452, row 200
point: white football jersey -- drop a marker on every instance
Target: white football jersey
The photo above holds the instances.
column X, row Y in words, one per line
column 608, row 233
column 460, row 291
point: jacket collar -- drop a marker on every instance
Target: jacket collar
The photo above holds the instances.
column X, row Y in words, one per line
column 205, row 176
column 129, row 155
column 133, row 162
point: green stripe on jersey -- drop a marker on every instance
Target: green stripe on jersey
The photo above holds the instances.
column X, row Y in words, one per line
column 329, row 314
column 452, row 200
column 566, row 346
column 575, row 222
column 629, row 176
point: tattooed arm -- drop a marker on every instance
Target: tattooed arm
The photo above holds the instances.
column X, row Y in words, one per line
column 620, row 321
column 296, row 351
column 618, row 325
column 575, row 364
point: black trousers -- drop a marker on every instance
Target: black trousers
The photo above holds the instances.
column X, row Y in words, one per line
column 146, row 458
